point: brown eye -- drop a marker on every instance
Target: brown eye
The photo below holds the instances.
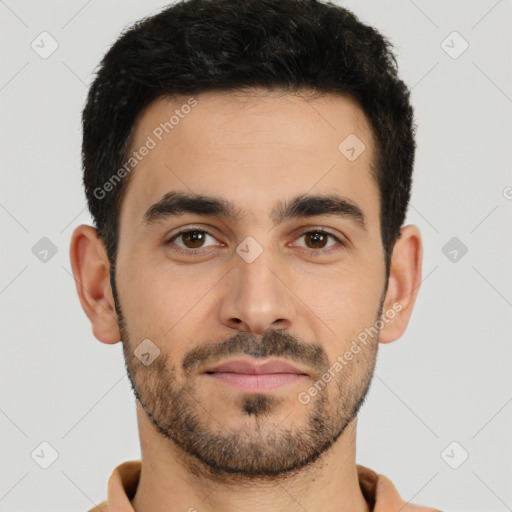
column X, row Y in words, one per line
column 190, row 239
column 317, row 239
column 193, row 239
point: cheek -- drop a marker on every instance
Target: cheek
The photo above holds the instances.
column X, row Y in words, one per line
column 344, row 302
column 165, row 304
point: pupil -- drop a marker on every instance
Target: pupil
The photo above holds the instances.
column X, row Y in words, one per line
column 318, row 238
column 195, row 238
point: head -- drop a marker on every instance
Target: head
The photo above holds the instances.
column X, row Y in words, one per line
column 248, row 167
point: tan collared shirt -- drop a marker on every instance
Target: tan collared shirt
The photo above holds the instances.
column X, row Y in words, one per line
column 380, row 494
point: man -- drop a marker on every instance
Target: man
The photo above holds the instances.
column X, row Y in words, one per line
column 248, row 166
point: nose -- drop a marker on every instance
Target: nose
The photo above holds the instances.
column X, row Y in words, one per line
column 256, row 296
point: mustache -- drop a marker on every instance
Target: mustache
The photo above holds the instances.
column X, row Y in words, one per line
column 273, row 343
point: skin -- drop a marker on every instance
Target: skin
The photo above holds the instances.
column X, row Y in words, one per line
column 252, row 149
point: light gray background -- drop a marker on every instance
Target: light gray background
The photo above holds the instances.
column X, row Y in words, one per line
column 447, row 379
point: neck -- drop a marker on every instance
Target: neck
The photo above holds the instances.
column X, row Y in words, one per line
column 167, row 484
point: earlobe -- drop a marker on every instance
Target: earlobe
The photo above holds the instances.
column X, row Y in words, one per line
column 90, row 267
column 404, row 283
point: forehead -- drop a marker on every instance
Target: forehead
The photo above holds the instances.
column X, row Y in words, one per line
column 252, row 149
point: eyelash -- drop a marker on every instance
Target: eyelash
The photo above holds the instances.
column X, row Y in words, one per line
column 189, row 252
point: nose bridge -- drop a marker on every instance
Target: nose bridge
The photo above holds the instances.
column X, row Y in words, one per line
column 256, row 296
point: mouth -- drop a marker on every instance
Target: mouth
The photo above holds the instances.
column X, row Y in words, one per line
column 246, row 375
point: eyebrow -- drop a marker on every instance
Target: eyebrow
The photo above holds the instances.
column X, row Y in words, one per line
column 177, row 203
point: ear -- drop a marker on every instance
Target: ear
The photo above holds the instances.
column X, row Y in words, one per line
column 90, row 266
column 403, row 285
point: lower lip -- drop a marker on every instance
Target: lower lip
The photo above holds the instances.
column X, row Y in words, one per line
column 261, row 382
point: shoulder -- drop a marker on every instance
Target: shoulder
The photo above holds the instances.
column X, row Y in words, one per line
column 382, row 495
column 102, row 507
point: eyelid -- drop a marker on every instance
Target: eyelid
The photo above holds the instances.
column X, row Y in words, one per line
column 319, row 229
column 304, row 231
column 168, row 239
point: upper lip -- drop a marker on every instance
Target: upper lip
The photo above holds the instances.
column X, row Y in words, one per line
column 252, row 368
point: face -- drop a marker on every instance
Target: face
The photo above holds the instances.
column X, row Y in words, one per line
column 250, row 290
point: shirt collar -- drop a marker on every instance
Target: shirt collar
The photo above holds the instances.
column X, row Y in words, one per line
column 379, row 492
